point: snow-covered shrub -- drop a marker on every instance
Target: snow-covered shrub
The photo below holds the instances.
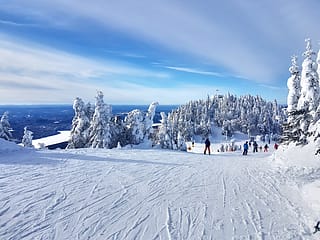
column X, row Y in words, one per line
column 27, row 138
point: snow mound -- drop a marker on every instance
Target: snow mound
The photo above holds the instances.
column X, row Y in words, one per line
column 302, row 165
column 6, row 146
column 297, row 157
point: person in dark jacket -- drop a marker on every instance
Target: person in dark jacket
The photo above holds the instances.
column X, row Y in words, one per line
column 207, row 146
column 255, row 146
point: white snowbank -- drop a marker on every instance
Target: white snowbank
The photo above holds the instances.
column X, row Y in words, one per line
column 7, row 146
column 63, row 136
column 301, row 164
column 311, row 193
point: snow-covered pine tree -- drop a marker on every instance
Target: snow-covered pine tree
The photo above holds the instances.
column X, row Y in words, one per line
column 119, row 133
column 163, row 135
column 1, row 131
column 181, row 144
column 293, row 85
column 89, row 110
column 314, row 128
column 291, row 128
column 27, row 138
column 318, row 62
column 139, row 125
column 99, row 130
column 79, row 135
column 303, row 123
column 134, row 122
column 309, row 97
column 317, row 115
column 5, row 127
column 149, row 120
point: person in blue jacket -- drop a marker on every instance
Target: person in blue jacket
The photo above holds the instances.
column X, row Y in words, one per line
column 245, row 148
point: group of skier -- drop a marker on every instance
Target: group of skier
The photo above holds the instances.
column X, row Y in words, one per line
column 246, row 146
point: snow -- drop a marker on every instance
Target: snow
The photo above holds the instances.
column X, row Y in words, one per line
column 63, row 136
column 6, row 146
column 303, row 165
column 156, row 194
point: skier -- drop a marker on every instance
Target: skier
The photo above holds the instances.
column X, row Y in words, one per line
column 245, row 148
column 207, row 146
column 266, row 148
column 255, row 146
column 276, row 146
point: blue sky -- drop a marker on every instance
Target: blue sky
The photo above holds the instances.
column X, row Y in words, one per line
column 137, row 52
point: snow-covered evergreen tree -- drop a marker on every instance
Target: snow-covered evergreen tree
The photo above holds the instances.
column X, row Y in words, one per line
column 1, row 131
column 135, row 125
column 5, row 127
column 318, row 63
column 309, row 97
column 293, row 84
column 163, row 135
column 27, row 138
column 99, row 131
column 181, row 145
column 303, row 123
column 119, row 133
column 149, row 120
column 79, row 134
column 139, row 125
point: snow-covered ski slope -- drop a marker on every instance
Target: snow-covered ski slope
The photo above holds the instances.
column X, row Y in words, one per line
column 147, row 194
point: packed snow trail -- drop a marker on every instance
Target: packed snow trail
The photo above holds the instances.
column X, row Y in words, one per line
column 147, row 194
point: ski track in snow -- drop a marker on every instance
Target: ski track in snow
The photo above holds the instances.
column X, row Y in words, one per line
column 146, row 194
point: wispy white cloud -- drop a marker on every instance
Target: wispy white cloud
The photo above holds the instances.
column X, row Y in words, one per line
column 195, row 71
column 253, row 39
column 23, row 57
column 17, row 24
column 35, row 73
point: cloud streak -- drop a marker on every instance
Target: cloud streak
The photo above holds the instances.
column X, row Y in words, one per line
column 195, row 71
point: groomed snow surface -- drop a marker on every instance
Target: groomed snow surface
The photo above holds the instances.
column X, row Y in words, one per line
column 154, row 194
